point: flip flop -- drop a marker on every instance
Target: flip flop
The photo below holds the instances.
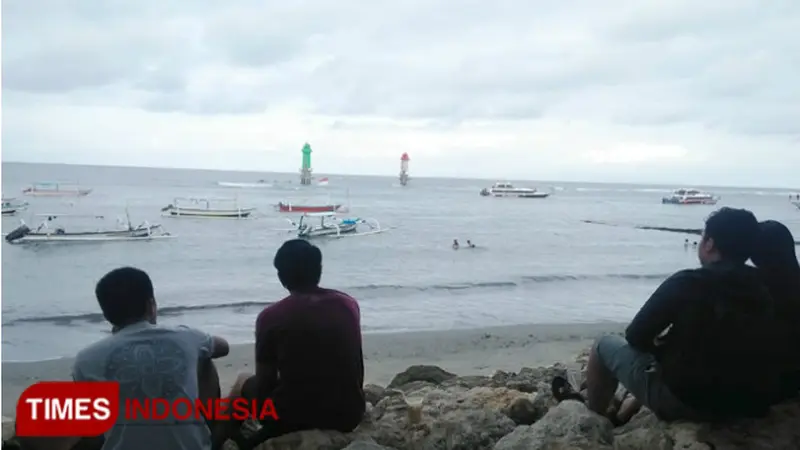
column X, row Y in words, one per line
column 614, row 417
column 562, row 390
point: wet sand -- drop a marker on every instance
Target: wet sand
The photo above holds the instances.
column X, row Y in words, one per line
column 465, row 352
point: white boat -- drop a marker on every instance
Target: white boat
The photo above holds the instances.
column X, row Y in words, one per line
column 56, row 189
column 206, row 208
column 259, row 184
column 45, row 232
column 331, row 226
column 505, row 189
column 10, row 207
column 690, row 196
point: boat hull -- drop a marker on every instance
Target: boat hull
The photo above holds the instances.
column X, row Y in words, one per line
column 10, row 207
column 506, row 190
column 526, row 195
column 210, row 213
column 56, row 193
column 688, row 201
column 287, row 207
column 243, row 185
column 92, row 236
column 38, row 238
column 516, row 194
column 327, row 231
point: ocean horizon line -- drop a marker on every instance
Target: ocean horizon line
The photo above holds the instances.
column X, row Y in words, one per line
column 665, row 184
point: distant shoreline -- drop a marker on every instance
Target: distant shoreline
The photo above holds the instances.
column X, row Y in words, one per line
column 666, row 184
column 479, row 351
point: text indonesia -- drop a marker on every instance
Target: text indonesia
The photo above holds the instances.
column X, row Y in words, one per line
column 66, row 408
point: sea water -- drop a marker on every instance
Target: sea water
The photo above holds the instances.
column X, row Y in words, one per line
column 535, row 261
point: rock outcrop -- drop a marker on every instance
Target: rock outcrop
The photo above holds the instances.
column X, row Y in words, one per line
column 427, row 408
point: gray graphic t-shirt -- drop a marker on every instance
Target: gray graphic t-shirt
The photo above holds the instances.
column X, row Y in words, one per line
column 150, row 361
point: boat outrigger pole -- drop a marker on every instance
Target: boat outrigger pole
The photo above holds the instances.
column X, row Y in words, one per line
column 128, row 218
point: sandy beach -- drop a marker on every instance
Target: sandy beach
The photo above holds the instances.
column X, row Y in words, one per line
column 465, row 352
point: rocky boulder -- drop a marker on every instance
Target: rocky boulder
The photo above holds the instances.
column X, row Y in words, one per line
column 780, row 430
column 428, row 409
column 427, row 374
column 569, row 425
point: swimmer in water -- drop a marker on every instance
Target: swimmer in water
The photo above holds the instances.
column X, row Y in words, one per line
column 694, row 244
column 686, row 243
column 455, row 244
column 470, row 244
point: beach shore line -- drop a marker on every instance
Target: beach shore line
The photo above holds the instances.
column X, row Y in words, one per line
column 465, row 352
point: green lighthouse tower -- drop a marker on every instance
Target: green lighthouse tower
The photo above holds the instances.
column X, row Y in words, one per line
column 305, row 171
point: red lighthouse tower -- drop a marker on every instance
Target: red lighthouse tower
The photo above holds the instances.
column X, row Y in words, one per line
column 404, row 169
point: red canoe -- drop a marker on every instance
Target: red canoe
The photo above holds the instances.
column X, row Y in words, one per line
column 288, row 207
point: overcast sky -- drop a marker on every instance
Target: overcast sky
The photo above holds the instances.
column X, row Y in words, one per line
column 618, row 90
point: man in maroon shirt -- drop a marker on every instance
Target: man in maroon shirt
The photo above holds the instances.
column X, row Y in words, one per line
column 309, row 359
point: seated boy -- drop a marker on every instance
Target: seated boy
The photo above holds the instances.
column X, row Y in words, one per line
column 309, row 358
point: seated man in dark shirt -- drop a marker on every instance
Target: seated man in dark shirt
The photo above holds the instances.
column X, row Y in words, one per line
column 701, row 348
column 309, row 359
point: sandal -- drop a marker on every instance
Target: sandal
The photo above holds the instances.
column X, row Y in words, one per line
column 562, row 390
column 618, row 404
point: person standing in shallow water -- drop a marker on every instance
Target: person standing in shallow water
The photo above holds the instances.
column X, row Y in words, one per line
column 703, row 346
column 309, row 358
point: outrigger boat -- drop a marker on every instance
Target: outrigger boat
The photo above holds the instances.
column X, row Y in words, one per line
column 330, row 226
column 45, row 233
column 10, row 207
column 56, row 189
column 202, row 208
column 289, row 207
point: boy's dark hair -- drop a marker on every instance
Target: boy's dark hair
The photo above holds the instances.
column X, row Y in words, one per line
column 734, row 232
column 124, row 294
column 299, row 264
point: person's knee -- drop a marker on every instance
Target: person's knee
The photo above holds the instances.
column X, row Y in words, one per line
column 242, row 378
column 606, row 346
column 594, row 349
column 239, row 385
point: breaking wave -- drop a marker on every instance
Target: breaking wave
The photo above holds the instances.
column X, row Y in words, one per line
column 370, row 290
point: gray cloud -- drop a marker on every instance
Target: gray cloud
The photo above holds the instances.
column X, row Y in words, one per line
column 724, row 65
